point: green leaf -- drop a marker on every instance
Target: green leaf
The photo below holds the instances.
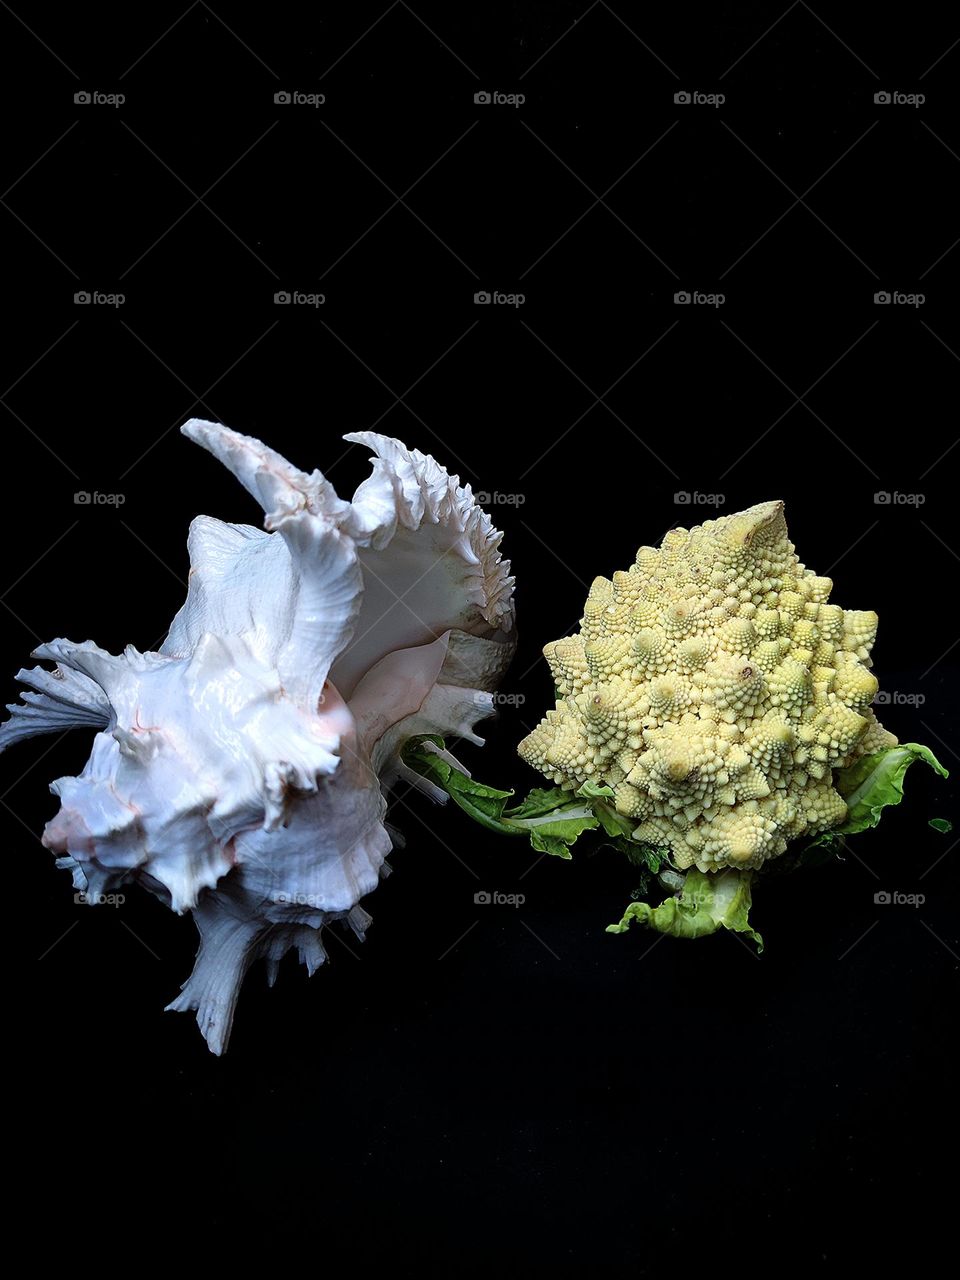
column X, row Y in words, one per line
column 556, row 832
column 539, row 801
column 553, row 845
column 613, row 823
column 595, row 789
column 868, row 786
column 549, row 817
column 646, row 859
column 817, row 853
column 876, row 781
column 553, row 819
column 707, row 902
column 941, row 824
column 649, row 856
column 483, row 803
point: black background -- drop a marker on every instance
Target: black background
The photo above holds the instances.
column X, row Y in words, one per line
column 484, row 1084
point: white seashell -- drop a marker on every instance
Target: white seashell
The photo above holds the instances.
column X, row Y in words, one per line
column 240, row 772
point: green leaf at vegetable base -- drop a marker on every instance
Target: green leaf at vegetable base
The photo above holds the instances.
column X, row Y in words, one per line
column 708, row 901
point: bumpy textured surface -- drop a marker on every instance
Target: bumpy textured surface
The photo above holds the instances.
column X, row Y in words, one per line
column 715, row 690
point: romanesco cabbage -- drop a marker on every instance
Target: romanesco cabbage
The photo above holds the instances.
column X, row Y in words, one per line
column 714, row 708
column 715, row 689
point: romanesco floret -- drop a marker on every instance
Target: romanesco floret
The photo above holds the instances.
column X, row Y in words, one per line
column 715, row 690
